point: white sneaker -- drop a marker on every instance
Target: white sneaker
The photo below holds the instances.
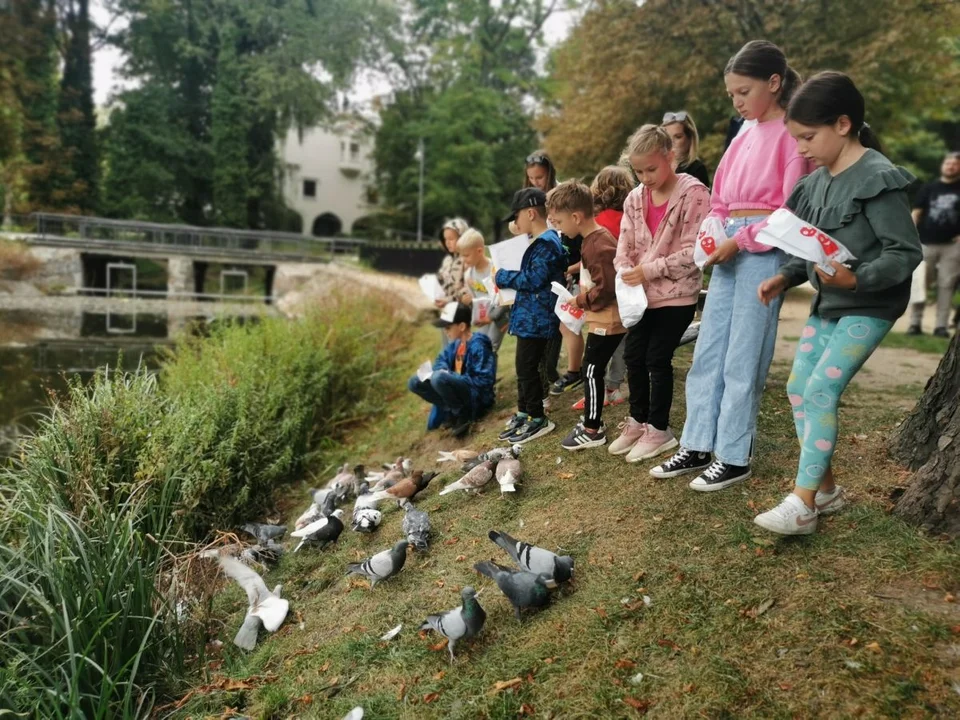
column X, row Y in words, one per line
column 831, row 502
column 654, row 442
column 546, row 403
column 632, row 432
column 791, row 517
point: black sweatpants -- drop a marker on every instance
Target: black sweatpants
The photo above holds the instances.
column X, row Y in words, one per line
column 596, row 357
column 530, row 353
column 548, row 364
column 649, row 358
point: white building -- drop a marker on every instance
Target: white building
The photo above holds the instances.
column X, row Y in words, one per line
column 328, row 171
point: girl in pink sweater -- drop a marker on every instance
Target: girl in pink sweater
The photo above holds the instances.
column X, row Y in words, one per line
column 658, row 231
column 738, row 332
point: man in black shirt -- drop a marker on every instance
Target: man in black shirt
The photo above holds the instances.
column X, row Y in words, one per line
column 936, row 211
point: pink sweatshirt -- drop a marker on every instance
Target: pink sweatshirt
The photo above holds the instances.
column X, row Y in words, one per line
column 672, row 278
column 757, row 172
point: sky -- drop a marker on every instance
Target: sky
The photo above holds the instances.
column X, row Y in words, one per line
column 107, row 60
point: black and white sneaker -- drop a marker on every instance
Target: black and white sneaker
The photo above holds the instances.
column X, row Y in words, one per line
column 580, row 438
column 513, row 424
column 683, row 462
column 531, row 430
column 567, row 382
column 719, row 476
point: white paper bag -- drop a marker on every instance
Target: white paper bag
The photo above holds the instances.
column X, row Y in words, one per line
column 569, row 315
column 710, row 236
column 508, row 255
column 918, row 287
column 631, row 301
column 786, row 231
column 425, row 371
column 481, row 310
column 430, row 286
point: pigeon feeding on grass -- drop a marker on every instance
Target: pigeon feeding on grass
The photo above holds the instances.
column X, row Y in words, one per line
column 535, row 559
column 465, row 621
column 264, row 533
column 324, row 531
column 266, row 607
column 406, row 488
column 416, row 526
column 508, row 474
column 262, row 554
column 523, row 589
column 309, row 515
column 383, row 565
column 473, row 480
column 461, row 456
column 366, row 520
column 495, row 455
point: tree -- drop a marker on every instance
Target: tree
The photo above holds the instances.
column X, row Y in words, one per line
column 928, row 442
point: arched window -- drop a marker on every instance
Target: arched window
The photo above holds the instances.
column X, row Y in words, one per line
column 327, row 225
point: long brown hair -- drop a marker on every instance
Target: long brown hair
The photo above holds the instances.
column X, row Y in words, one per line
column 539, row 157
column 761, row 59
column 825, row 97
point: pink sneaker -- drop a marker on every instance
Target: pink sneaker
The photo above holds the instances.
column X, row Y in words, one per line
column 653, row 443
column 632, row 432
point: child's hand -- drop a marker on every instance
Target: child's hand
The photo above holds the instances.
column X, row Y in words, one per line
column 771, row 288
column 440, row 303
column 634, row 276
column 575, row 301
column 466, row 299
column 726, row 251
column 845, row 278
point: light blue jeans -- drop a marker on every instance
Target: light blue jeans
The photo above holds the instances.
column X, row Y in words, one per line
column 732, row 356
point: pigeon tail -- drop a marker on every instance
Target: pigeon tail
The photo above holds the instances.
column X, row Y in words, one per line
column 246, row 638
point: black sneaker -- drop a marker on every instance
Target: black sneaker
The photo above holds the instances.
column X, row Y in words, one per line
column 531, row 430
column 683, row 462
column 914, row 330
column 580, row 438
column 719, row 476
column 568, row 382
column 941, row 332
column 513, row 424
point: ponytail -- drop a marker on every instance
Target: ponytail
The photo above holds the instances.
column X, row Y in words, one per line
column 761, row 60
column 869, row 139
column 788, row 86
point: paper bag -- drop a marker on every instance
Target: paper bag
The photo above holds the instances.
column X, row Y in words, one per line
column 631, row 300
column 786, row 231
column 430, row 286
column 425, row 371
column 481, row 310
column 710, row 236
column 570, row 315
column 918, row 287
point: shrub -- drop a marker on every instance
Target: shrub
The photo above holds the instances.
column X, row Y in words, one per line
column 16, row 261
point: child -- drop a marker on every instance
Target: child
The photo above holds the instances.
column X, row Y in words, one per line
column 661, row 219
column 477, row 268
column 858, row 197
column 461, row 386
column 450, row 274
column 532, row 320
column 738, row 333
column 570, row 205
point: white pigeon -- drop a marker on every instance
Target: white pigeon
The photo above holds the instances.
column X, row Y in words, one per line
column 508, row 473
column 366, row 520
column 265, row 605
column 311, row 514
column 355, row 714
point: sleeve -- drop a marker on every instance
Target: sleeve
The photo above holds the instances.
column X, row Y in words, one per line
column 625, row 258
column 718, row 208
column 680, row 263
column 922, row 200
column 600, row 266
column 536, row 276
column 900, row 254
column 483, row 373
column 795, row 271
column 795, row 169
column 445, row 360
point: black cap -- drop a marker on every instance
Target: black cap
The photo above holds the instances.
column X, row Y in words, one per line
column 454, row 313
column 527, row 198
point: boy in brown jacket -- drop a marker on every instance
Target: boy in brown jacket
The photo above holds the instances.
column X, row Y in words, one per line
column 570, row 207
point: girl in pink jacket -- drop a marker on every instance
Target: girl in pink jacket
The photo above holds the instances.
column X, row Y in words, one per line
column 658, row 231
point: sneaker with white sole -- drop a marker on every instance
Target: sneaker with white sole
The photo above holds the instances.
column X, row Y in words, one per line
column 513, row 424
column 531, row 430
column 654, row 442
column 831, row 502
column 632, row 431
column 611, row 397
column 581, row 438
column 718, row 476
column 683, row 462
column 791, row 517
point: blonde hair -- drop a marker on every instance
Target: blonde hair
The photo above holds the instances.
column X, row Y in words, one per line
column 470, row 239
column 690, row 130
column 571, row 196
column 610, row 188
column 648, row 139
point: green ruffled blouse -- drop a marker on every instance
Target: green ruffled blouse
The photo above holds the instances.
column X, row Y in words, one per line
column 867, row 209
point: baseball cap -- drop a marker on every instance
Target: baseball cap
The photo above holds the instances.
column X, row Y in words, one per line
column 454, row 313
column 527, row 198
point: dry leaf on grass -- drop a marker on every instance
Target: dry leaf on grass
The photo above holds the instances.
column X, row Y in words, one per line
column 640, row 706
column 402, row 692
column 601, row 612
column 451, row 541
column 439, row 646
column 785, row 686
column 430, row 697
column 668, row 643
column 502, row 685
column 527, row 709
column 873, row 647
column 440, row 675
column 461, row 558
column 624, row 664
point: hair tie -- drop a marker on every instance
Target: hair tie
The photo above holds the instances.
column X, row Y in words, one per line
column 864, row 126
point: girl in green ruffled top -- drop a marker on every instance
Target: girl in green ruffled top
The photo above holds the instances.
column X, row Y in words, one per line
column 859, row 197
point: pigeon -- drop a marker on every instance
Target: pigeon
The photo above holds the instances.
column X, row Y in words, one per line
column 383, row 565
column 262, row 554
column 264, row 533
column 495, row 455
column 522, row 588
column 416, row 526
column 342, row 476
column 366, row 500
column 324, row 531
column 389, row 479
column 309, row 515
column 465, row 621
column 508, row 473
column 406, row 488
column 266, row 607
column 473, row 480
column 319, row 497
column 329, row 504
column 366, row 520
column 461, row 456
column 534, row 559
column 347, row 482
column 355, row 714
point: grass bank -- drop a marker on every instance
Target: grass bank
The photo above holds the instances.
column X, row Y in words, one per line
column 854, row 621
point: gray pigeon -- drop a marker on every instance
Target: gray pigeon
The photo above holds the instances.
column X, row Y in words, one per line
column 416, row 526
column 264, row 533
column 383, row 565
column 324, row 531
column 329, row 504
column 465, row 621
column 495, row 455
column 535, row 559
column 262, row 554
column 473, row 480
column 366, row 520
column 508, row 474
column 523, row 589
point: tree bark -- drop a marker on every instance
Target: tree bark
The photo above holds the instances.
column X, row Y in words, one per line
column 928, row 442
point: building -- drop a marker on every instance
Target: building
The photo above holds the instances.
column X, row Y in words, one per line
column 328, row 171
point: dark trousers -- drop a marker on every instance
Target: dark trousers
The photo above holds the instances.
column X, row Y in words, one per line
column 596, row 356
column 649, row 357
column 530, row 353
column 548, row 364
column 448, row 391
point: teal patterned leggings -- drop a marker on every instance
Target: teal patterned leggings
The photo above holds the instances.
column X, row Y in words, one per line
column 829, row 354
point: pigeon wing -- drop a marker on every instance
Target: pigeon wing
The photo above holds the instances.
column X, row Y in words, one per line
column 310, row 529
column 246, row 578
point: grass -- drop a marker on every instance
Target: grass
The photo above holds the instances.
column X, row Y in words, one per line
column 921, row 343
column 16, row 261
column 832, row 643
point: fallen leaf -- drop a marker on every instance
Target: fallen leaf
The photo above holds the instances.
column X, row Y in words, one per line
column 689, row 688
column 439, row 646
column 324, row 667
column 766, row 542
column 668, row 643
column 601, row 612
column 549, row 661
column 640, row 706
column 461, row 558
column 785, row 686
column 873, row 647
column 758, row 552
column 402, row 692
column 955, row 629
column 439, row 675
column 950, row 597
column 565, row 476
column 624, row 664
column 236, row 685
column 451, row 541
column 717, row 526
column 527, row 709
column 430, row 697
column 639, row 576
column 761, row 608
column 751, row 504
column 439, row 583
column 502, row 685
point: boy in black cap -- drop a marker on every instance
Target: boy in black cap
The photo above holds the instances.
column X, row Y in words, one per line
column 461, row 384
column 532, row 321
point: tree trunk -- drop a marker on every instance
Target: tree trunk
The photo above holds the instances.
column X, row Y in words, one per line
column 928, row 441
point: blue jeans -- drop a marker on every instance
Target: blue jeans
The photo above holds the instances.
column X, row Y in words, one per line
column 449, row 392
column 732, row 355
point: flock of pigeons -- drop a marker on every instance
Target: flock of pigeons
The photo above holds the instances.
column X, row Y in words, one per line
column 528, row 585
